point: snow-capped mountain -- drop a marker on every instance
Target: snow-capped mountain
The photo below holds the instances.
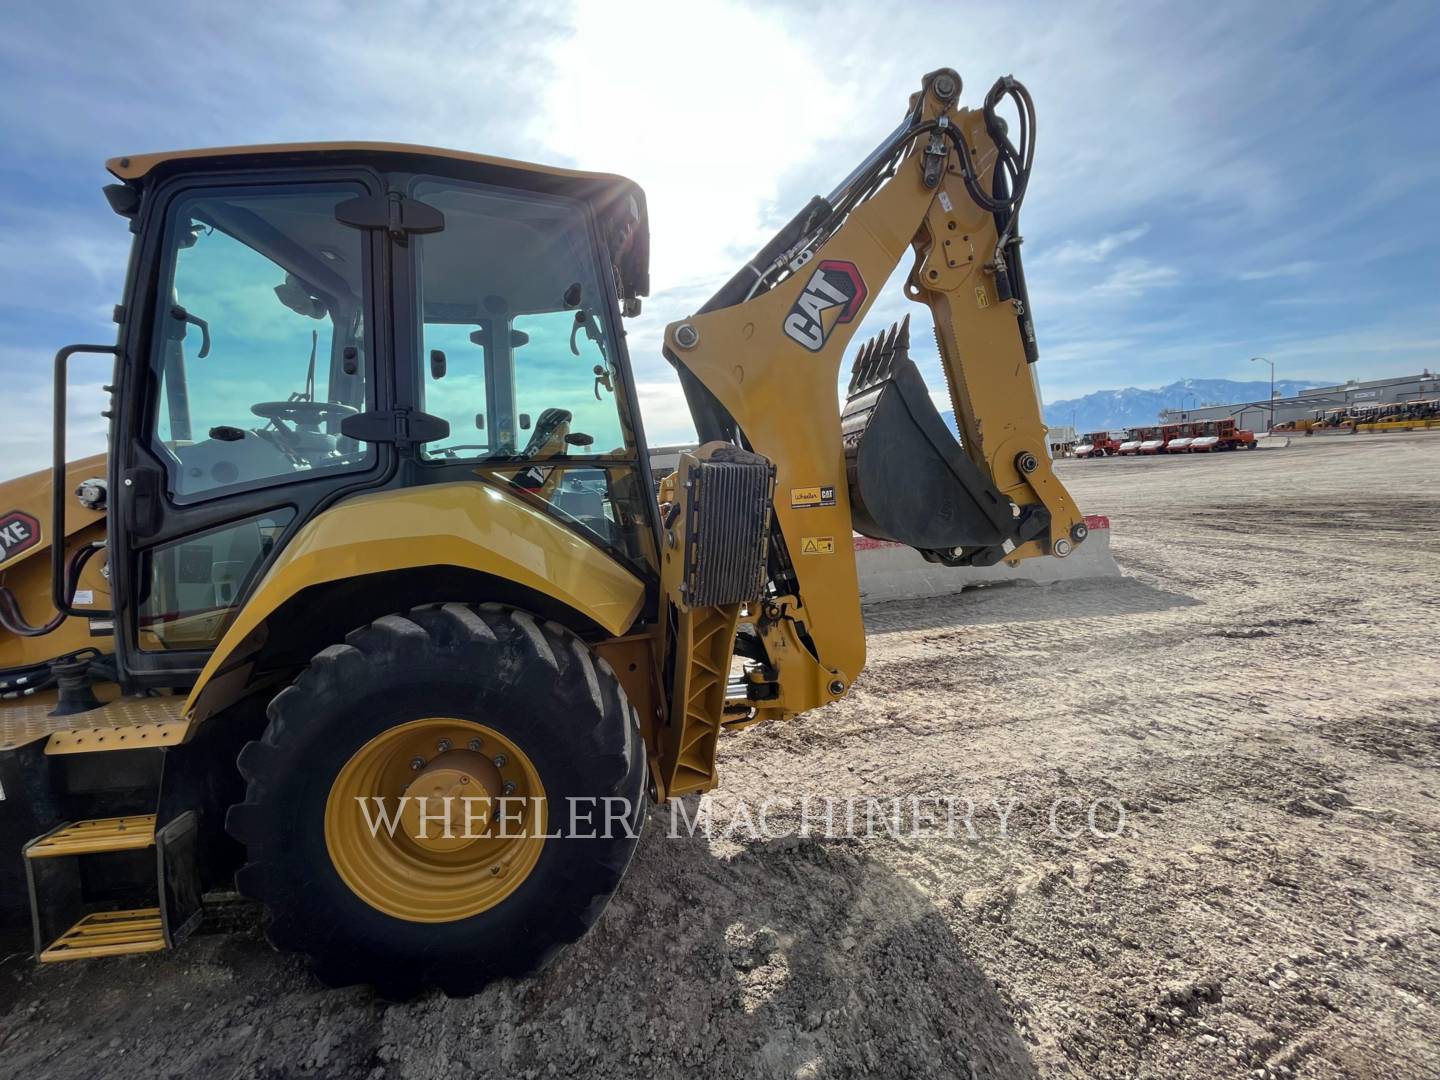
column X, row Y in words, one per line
column 1106, row 409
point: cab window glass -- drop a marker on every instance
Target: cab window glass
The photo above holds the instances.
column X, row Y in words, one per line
column 457, row 395
column 193, row 584
column 516, row 353
column 557, row 369
column 609, row 505
column 259, row 327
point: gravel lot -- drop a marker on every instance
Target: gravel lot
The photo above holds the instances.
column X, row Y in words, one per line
column 1259, row 694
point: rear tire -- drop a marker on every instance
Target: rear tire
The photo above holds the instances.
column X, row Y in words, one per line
column 535, row 684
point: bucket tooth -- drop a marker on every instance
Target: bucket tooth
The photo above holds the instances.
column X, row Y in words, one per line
column 877, row 361
column 857, row 370
column 887, row 353
column 865, row 364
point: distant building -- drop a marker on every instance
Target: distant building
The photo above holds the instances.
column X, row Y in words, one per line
column 1062, row 439
column 1313, row 403
column 666, row 459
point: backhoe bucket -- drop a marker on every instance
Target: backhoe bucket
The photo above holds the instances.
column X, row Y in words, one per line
column 910, row 481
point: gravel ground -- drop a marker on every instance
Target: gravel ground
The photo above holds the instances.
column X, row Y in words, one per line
column 1258, row 694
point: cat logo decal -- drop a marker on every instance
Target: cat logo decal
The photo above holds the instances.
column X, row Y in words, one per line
column 833, row 295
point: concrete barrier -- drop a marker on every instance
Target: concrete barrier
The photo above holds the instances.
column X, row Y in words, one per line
column 890, row 571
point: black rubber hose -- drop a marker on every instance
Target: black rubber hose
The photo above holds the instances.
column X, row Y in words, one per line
column 14, row 621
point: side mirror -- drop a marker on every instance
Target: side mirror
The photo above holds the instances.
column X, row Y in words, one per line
column 300, row 298
column 437, row 363
column 479, row 421
column 579, row 438
column 524, row 421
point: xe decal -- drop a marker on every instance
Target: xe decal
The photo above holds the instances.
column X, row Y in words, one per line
column 18, row 532
column 833, row 295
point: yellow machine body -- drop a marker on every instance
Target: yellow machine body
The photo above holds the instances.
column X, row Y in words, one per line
column 470, row 527
column 730, row 599
column 26, row 572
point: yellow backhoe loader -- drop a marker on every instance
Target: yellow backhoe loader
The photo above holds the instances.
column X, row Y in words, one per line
column 371, row 612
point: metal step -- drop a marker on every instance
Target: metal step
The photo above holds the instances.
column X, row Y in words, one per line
column 109, row 933
column 77, row 873
column 96, row 837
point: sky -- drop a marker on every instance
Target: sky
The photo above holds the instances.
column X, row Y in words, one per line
column 1212, row 182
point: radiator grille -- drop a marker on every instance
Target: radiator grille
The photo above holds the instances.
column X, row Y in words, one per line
column 727, row 531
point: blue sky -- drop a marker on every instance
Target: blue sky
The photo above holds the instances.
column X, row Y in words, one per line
column 1211, row 181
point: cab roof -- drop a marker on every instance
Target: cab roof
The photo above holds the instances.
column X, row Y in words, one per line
column 607, row 193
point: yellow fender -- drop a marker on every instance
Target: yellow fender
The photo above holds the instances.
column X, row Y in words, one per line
column 467, row 525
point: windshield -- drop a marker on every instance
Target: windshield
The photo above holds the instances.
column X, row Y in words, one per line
column 516, row 341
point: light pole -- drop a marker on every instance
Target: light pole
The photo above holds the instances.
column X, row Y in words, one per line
column 1270, row 424
column 1188, row 393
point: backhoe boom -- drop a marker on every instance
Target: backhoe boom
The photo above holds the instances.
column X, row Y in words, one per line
column 760, row 363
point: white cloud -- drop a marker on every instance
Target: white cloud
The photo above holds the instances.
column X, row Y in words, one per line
column 1285, row 270
column 703, row 106
column 27, row 427
column 1134, row 277
column 666, row 415
column 1096, row 251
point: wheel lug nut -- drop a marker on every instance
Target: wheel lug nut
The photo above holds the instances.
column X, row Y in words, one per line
column 443, row 745
column 417, row 763
column 509, row 787
column 475, row 744
column 500, row 760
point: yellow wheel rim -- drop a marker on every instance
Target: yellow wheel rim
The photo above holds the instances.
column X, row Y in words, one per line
column 469, row 853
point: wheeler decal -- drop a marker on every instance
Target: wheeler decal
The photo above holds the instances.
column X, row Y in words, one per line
column 802, row 498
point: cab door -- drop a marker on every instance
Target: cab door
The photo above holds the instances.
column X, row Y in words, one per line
column 259, row 328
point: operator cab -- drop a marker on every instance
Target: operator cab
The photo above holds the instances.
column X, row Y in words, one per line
column 309, row 322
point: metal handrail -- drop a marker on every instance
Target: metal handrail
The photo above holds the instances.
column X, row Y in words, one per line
column 60, row 593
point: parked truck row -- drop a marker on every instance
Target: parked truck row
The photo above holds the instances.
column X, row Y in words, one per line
column 1197, row 437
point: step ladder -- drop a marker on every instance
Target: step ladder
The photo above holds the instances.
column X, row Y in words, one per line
column 68, row 866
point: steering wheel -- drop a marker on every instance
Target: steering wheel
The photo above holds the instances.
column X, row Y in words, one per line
column 302, row 413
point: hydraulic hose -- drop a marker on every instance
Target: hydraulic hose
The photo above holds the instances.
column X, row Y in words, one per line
column 14, row 621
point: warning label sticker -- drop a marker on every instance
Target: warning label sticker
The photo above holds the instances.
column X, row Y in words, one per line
column 817, row 545
column 982, row 298
column 802, row 498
